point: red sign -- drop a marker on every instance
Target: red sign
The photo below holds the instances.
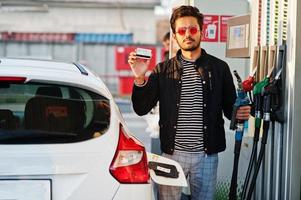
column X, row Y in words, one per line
column 126, row 85
column 224, row 27
column 122, row 54
column 210, row 28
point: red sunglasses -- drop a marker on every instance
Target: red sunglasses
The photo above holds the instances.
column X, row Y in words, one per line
column 192, row 30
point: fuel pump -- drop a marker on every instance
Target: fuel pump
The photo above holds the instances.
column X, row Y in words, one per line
column 271, row 96
column 238, row 125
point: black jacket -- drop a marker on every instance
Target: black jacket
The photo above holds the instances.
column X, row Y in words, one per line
column 164, row 85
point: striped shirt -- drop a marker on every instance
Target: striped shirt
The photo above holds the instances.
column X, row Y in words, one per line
column 189, row 132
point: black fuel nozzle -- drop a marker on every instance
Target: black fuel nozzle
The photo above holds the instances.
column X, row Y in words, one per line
column 273, row 99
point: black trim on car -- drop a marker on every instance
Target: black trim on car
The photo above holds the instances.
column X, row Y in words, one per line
column 81, row 68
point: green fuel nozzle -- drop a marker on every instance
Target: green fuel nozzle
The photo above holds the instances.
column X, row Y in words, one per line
column 258, row 93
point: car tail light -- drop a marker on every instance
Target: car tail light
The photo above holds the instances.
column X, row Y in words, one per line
column 129, row 164
column 12, row 79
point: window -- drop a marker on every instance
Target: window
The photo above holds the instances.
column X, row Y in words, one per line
column 45, row 113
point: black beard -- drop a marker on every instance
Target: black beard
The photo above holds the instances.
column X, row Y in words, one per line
column 191, row 48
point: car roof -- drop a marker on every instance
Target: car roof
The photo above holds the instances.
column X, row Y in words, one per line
column 37, row 63
column 52, row 71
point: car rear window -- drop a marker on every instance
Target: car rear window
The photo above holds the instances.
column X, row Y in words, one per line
column 39, row 113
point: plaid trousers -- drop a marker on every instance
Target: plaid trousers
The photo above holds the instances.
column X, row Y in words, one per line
column 201, row 170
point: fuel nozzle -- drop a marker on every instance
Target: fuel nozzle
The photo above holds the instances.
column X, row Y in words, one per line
column 248, row 84
column 241, row 100
column 258, row 99
column 272, row 97
column 239, row 82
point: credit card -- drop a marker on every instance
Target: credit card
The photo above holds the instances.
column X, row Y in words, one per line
column 143, row 53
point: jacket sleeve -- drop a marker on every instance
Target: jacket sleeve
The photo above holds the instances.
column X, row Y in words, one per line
column 145, row 98
column 229, row 93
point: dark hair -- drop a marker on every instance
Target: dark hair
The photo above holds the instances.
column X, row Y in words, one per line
column 186, row 11
column 166, row 36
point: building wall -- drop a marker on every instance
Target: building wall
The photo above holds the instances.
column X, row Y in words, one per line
column 229, row 7
column 63, row 19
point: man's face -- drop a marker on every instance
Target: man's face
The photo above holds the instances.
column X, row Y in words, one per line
column 165, row 44
column 188, row 33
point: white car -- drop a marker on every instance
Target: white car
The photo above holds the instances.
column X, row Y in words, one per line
column 62, row 136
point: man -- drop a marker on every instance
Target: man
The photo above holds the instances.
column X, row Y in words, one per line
column 194, row 90
column 166, row 45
